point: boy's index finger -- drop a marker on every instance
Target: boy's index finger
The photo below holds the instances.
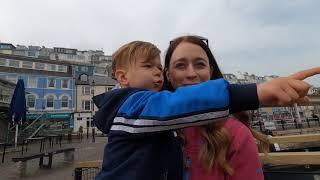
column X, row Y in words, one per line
column 301, row 75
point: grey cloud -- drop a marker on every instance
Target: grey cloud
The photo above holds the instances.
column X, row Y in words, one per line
column 262, row 37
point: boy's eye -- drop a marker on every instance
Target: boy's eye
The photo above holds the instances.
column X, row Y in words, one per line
column 147, row 65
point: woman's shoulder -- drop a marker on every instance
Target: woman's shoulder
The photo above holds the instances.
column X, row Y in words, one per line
column 239, row 133
column 234, row 125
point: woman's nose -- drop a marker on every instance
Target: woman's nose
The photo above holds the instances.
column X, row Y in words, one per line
column 191, row 73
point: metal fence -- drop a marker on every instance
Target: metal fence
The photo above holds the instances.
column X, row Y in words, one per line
column 280, row 124
column 277, row 172
column 292, row 172
column 87, row 173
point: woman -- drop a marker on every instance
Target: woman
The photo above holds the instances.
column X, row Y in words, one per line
column 223, row 150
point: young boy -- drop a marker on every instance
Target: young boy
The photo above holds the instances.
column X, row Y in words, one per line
column 140, row 122
column 136, row 66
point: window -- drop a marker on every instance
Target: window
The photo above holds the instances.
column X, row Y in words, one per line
column 81, row 57
column 14, row 63
column 84, row 77
column 62, row 68
column 108, row 89
column 72, row 57
column 31, row 53
column 88, row 123
column 3, row 62
column 31, row 99
column 92, row 123
column 64, row 101
column 86, row 105
column 65, row 83
column 86, row 90
column 12, row 78
column 79, row 119
column 69, row 51
column 27, row 64
column 50, row 99
column 32, row 82
column 51, row 82
column 84, row 68
column 39, row 66
column 52, row 67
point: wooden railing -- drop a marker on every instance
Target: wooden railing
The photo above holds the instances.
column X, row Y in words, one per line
column 291, row 158
column 88, row 169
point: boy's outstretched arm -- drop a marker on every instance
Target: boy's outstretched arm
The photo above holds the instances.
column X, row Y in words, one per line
column 286, row 90
column 145, row 111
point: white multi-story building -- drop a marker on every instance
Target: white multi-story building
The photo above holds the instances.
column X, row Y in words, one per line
column 231, row 78
column 74, row 55
column 85, row 108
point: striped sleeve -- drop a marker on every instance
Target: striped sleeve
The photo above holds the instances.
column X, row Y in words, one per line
column 147, row 111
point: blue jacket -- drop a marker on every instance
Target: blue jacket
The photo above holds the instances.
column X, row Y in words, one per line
column 142, row 143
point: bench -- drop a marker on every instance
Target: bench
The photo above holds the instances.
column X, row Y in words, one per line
column 53, row 137
column 68, row 156
column 22, row 160
column 27, row 140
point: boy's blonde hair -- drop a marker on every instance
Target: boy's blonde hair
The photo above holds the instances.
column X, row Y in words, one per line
column 128, row 54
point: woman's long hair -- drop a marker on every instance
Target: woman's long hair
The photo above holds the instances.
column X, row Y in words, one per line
column 217, row 141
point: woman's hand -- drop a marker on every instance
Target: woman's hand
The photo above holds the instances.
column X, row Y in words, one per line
column 286, row 90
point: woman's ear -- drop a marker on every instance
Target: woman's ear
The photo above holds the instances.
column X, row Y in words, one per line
column 211, row 71
column 121, row 76
column 167, row 73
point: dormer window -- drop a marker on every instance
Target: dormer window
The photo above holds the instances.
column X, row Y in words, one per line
column 84, row 77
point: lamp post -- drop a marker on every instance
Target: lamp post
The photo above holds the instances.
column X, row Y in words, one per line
column 92, row 114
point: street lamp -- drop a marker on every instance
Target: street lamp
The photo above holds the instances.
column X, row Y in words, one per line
column 92, row 113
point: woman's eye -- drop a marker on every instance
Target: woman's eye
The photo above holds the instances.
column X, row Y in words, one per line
column 180, row 66
column 200, row 65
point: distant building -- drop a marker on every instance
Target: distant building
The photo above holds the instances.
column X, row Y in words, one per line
column 50, row 86
column 231, row 78
column 6, row 92
column 103, row 65
column 6, row 48
column 85, row 90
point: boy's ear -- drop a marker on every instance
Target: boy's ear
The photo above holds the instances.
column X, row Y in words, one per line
column 121, row 76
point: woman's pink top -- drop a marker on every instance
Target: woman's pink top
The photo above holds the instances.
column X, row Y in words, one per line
column 243, row 155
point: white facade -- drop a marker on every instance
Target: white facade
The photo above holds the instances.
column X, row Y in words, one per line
column 85, row 108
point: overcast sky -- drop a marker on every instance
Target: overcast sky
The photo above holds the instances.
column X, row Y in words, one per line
column 263, row 37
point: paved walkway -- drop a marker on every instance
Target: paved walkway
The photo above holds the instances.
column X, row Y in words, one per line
column 86, row 150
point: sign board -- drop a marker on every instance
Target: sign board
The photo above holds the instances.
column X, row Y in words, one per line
column 65, row 116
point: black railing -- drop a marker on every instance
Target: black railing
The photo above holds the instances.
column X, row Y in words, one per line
column 280, row 124
column 305, row 172
column 87, row 173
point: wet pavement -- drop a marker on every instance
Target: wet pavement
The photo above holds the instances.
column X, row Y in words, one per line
column 85, row 151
